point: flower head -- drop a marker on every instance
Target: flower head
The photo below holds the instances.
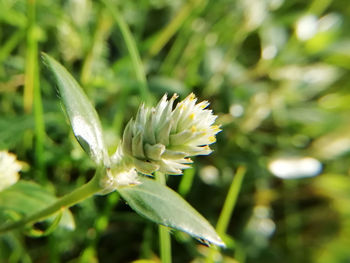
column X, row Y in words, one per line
column 9, row 168
column 162, row 138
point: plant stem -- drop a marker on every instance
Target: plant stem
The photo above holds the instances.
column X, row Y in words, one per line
column 7, row 47
column 292, row 221
column 132, row 49
column 228, row 207
column 32, row 95
column 99, row 38
column 164, row 236
column 173, row 26
column 230, row 201
column 31, row 51
column 186, row 181
column 79, row 194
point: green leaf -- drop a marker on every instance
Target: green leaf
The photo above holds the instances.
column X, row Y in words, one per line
column 25, row 198
column 40, row 233
column 82, row 115
column 163, row 206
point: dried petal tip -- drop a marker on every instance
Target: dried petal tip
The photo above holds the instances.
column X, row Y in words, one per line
column 160, row 138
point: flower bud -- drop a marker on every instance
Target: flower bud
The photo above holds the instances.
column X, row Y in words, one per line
column 162, row 138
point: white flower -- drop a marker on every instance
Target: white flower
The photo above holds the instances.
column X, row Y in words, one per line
column 9, row 168
column 162, row 138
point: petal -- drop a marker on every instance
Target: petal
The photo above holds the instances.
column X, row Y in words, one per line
column 137, row 145
column 169, row 154
column 145, row 167
column 187, row 136
column 149, row 135
column 154, row 152
column 160, row 108
column 193, row 150
column 172, row 167
column 164, row 132
column 168, row 109
column 127, row 138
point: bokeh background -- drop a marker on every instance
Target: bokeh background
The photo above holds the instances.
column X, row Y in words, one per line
column 276, row 73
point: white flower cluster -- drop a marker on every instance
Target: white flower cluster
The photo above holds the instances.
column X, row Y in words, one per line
column 9, row 168
column 162, row 138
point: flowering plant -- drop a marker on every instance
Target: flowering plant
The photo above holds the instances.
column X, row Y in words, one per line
column 160, row 139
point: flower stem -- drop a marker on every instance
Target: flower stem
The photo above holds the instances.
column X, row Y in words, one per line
column 79, row 194
column 32, row 95
column 164, row 236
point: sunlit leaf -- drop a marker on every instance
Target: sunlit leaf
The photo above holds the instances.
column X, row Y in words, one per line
column 82, row 115
column 163, row 206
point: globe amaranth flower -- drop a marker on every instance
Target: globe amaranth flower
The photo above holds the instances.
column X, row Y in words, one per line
column 9, row 168
column 163, row 138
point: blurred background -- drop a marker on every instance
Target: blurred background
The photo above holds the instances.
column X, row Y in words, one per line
column 276, row 73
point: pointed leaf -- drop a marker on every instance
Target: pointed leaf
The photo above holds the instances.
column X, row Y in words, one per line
column 163, row 206
column 82, row 115
column 25, row 198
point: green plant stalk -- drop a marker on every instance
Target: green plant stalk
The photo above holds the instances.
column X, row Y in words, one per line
column 317, row 7
column 11, row 43
column 146, row 246
column 173, row 27
column 191, row 57
column 175, row 51
column 292, row 220
column 100, row 35
column 230, row 201
column 229, row 205
column 240, row 253
column 164, row 235
column 119, row 116
column 39, row 128
column 78, row 195
column 132, row 49
column 30, row 58
column 186, row 182
column 32, row 95
column 230, row 55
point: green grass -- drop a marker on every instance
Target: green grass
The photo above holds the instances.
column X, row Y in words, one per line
column 276, row 94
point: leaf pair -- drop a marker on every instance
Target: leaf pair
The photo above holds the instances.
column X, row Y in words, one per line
column 150, row 199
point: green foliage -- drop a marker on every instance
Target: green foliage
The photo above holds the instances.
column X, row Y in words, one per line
column 164, row 206
column 25, row 198
column 82, row 115
column 149, row 198
column 276, row 73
